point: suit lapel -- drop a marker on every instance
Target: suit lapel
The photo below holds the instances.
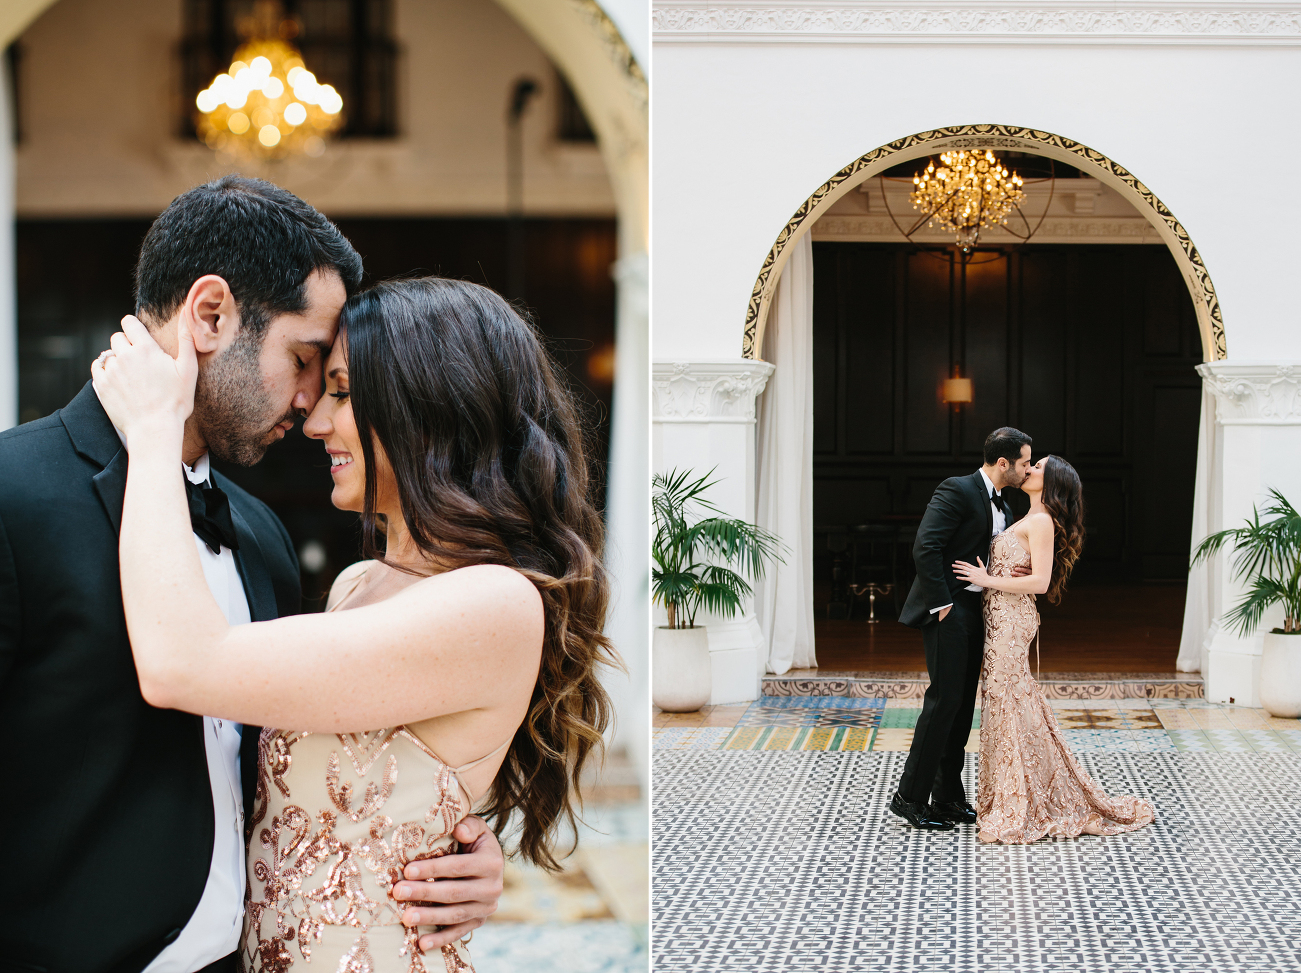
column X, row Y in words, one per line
column 253, row 571
column 978, row 482
column 110, row 484
column 95, row 439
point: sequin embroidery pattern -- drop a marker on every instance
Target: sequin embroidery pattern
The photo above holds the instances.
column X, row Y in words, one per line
column 1030, row 784
column 337, row 819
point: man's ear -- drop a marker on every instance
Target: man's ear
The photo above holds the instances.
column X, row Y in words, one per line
column 209, row 312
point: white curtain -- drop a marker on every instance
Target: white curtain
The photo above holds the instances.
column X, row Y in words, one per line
column 784, row 467
column 1198, row 609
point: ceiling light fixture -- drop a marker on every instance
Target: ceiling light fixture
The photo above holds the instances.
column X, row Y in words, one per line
column 268, row 104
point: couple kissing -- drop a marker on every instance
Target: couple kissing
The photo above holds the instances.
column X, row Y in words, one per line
column 981, row 558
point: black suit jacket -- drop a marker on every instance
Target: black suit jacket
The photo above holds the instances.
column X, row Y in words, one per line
column 107, row 810
column 957, row 526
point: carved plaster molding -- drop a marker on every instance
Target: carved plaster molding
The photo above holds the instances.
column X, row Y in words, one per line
column 1254, row 393
column 880, row 229
column 949, row 22
column 707, row 391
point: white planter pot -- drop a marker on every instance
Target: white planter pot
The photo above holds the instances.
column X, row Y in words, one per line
column 682, row 675
column 1280, row 675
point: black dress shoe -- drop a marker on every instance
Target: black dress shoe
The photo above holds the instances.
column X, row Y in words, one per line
column 959, row 812
column 918, row 815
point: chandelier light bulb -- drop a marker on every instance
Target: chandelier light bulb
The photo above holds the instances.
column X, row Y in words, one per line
column 968, row 192
column 268, row 104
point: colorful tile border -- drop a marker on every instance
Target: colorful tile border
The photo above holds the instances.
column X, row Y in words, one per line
column 886, row 724
column 1080, row 686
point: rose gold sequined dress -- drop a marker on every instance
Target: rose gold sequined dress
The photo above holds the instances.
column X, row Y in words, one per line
column 337, row 817
column 1030, row 784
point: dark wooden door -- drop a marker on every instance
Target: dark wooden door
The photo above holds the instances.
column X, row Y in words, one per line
column 1090, row 349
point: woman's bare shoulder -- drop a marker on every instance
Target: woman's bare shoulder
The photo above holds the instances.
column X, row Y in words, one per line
column 345, row 582
column 1038, row 520
column 498, row 596
column 493, row 581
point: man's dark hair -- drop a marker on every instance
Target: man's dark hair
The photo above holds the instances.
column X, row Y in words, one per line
column 262, row 240
column 1005, row 442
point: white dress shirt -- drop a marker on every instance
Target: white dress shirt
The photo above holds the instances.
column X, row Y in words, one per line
column 215, row 927
column 1000, row 524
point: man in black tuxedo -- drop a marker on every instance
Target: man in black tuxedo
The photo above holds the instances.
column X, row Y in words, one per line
column 123, row 823
column 964, row 514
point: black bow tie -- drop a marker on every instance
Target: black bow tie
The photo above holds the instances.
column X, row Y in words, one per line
column 997, row 500
column 210, row 516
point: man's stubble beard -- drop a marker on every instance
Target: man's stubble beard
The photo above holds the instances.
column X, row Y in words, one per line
column 1013, row 480
column 232, row 410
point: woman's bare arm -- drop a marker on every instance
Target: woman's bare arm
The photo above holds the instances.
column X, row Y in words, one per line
column 1040, row 528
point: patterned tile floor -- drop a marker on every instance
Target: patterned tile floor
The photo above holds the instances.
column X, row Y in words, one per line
column 593, row 917
column 774, row 849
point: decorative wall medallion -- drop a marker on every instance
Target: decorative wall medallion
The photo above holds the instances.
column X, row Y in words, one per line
column 707, row 391
column 1254, row 393
column 1006, row 137
column 721, row 20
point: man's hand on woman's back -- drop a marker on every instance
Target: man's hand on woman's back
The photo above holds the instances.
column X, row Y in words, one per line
column 458, row 892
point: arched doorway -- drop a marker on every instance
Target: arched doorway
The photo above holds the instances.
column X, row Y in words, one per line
column 1160, row 405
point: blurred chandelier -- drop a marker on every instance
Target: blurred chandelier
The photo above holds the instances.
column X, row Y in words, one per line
column 969, row 192
column 268, row 104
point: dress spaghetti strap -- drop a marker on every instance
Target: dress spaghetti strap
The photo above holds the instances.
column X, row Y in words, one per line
column 457, row 771
column 356, row 583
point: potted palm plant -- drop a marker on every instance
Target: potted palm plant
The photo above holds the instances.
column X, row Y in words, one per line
column 694, row 557
column 1267, row 556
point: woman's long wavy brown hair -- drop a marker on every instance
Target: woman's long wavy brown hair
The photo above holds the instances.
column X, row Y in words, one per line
column 489, row 459
column 1063, row 498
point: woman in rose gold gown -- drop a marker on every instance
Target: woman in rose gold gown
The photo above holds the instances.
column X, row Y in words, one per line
column 1030, row 784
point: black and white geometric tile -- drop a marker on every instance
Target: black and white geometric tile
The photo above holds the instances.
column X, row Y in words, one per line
column 790, row 861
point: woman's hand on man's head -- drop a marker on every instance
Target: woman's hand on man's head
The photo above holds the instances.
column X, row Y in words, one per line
column 144, row 390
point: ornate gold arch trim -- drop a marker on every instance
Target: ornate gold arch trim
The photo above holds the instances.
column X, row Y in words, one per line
column 1006, row 137
column 616, row 47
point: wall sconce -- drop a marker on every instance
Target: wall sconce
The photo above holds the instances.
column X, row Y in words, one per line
column 957, row 392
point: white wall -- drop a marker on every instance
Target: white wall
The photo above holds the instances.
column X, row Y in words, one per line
column 99, row 89
column 744, row 132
